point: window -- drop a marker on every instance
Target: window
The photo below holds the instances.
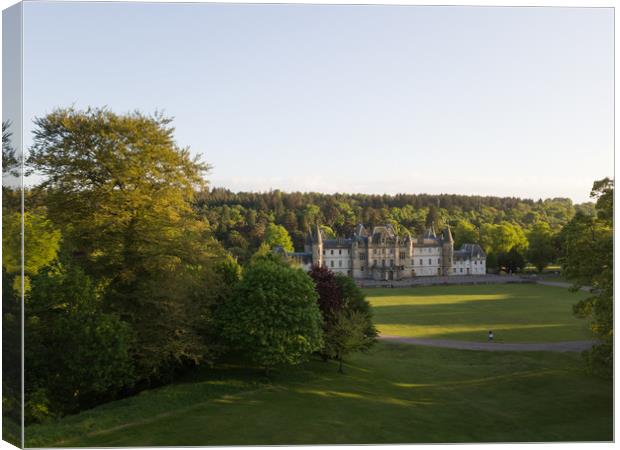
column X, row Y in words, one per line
column 438, row 260
column 383, row 262
column 332, row 264
column 362, row 268
column 323, row 251
column 413, row 262
column 475, row 263
column 374, row 251
column 402, row 255
column 421, row 262
column 340, row 263
column 391, row 262
column 362, row 256
column 340, row 252
column 429, row 261
column 461, row 270
column 332, row 252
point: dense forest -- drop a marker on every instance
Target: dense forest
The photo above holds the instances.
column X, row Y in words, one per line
column 241, row 221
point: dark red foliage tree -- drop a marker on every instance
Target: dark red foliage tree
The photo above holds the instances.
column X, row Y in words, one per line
column 330, row 295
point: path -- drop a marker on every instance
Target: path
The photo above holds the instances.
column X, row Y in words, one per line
column 562, row 284
column 566, row 346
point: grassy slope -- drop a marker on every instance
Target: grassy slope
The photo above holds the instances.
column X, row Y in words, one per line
column 396, row 393
column 515, row 313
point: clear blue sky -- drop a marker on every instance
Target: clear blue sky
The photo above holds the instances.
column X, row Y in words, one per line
column 375, row 99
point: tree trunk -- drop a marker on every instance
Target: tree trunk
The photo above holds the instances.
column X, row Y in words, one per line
column 340, row 365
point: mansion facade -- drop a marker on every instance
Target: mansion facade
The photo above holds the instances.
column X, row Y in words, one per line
column 384, row 255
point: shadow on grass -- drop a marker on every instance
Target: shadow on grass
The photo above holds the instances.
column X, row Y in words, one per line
column 394, row 394
column 529, row 314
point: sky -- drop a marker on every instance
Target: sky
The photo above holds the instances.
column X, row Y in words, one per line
column 371, row 99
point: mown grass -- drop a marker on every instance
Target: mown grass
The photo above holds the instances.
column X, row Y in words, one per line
column 515, row 312
column 394, row 394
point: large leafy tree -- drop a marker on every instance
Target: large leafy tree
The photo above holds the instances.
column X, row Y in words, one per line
column 511, row 261
column 541, row 249
column 272, row 317
column 277, row 236
column 464, row 232
column 121, row 189
column 118, row 183
column 76, row 354
column 587, row 260
column 502, row 242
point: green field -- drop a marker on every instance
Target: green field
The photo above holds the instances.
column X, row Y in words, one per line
column 515, row 312
column 396, row 393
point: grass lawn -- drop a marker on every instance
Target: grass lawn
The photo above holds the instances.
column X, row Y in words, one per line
column 394, row 394
column 515, row 312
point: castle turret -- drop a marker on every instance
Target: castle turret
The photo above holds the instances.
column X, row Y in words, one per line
column 447, row 252
column 317, row 246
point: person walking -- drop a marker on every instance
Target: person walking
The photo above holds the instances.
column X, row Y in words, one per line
column 491, row 336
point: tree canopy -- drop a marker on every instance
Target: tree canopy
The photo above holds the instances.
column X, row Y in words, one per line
column 272, row 316
column 587, row 260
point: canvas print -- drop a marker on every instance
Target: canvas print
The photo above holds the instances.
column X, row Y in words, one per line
column 296, row 224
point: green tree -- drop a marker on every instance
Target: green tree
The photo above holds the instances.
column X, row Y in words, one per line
column 503, row 237
column 541, row 248
column 345, row 334
column 511, row 261
column 276, row 235
column 41, row 244
column 273, row 317
column 328, row 232
column 464, row 233
column 355, row 301
column 75, row 354
column 587, row 260
column 432, row 217
column 121, row 191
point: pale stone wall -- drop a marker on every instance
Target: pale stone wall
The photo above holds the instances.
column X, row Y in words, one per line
column 386, row 256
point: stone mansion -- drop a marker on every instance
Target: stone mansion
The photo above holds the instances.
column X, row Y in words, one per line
column 385, row 255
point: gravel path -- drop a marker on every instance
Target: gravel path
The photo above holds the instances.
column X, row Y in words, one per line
column 562, row 284
column 566, row 346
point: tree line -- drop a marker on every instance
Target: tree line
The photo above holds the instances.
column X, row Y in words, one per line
column 511, row 231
